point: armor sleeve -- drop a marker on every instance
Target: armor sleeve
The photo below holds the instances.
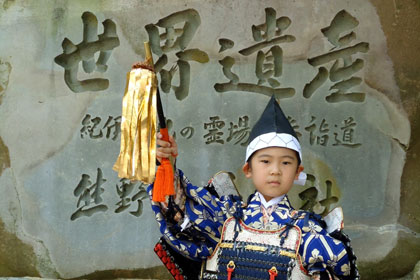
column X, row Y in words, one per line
column 197, row 232
column 319, row 251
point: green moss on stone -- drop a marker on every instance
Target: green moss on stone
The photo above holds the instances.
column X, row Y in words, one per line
column 17, row 259
column 8, row 3
column 400, row 20
column 4, row 157
column 400, row 261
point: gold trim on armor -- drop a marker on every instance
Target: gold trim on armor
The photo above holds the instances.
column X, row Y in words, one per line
column 226, row 245
column 288, row 254
column 256, row 248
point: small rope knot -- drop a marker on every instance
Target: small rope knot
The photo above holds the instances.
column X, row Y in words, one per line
column 273, row 273
column 230, row 268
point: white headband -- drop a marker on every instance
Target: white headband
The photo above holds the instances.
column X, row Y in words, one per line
column 273, row 139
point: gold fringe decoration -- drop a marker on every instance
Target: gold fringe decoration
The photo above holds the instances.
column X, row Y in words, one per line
column 137, row 158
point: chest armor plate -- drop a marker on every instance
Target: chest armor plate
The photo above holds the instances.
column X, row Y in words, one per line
column 254, row 253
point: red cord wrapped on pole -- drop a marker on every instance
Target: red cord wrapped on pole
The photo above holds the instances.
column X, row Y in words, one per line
column 164, row 182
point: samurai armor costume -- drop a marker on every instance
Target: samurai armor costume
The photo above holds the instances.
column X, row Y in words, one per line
column 196, row 238
column 247, row 253
column 253, row 239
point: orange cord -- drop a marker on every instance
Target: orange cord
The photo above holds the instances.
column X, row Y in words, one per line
column 164, row 182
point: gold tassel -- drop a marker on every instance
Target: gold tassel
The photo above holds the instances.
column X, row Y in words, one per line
column 137, row 158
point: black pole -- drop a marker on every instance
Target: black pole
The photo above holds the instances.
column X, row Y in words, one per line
column 161, row 116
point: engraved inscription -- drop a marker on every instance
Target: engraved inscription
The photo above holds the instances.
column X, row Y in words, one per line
column 218, row 131
column 344, row 67
column 225, row 44
column 85, row 52
column 130, row 194
column 318, row 135
column 310, row 199
column 124, row 191
column 176, row 39
column 89, row 194
column 91, row 127
column 214, row 134
column 295, row 126
column 187, row 132
column 268, row 37
column 239, row 132
column 346, row 134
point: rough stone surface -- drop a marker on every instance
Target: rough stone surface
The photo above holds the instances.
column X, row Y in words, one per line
column 53, row 139
column 16, row 258
column 5, row 69
column 416, row 271
column 400, row 21
column 4, row 157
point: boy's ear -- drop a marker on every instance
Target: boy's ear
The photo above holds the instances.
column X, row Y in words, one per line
column 247, row 170
column 299, row 169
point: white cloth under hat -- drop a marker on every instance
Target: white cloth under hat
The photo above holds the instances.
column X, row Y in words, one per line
column 274, row 130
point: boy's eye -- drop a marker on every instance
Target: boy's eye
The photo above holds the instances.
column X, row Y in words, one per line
column 264, row 161
column 286, row 162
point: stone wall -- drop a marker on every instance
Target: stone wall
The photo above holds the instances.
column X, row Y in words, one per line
column 345, row 72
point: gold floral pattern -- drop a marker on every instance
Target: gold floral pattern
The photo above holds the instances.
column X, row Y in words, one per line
column 345, row 268
column 316, row 257
column 312, row 228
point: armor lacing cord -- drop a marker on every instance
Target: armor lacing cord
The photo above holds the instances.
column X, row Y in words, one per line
column 273, row 273
column 230, row 268
column 172, row 210
column 176, row 206
column 288, row 226
column 238, row 216
column 285, row 233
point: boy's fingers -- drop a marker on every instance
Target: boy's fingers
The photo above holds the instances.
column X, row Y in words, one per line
column 162, row 155
column 164, row 150
column 174, row 146
column 163, row 143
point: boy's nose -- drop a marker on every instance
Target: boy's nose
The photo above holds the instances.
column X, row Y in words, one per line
column 275, row 170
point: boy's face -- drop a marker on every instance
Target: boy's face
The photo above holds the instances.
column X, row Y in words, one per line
column 273, row 171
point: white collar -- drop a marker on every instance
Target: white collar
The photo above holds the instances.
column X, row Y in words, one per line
column 271, row 202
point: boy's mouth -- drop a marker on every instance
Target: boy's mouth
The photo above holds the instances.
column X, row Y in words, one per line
column 274, row 182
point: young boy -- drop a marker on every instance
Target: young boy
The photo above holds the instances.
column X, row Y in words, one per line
column 264, row 238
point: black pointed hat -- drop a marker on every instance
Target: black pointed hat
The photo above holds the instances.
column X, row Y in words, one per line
column 272, row 130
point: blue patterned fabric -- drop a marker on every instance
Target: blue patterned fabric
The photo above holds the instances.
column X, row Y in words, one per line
column 207, row 214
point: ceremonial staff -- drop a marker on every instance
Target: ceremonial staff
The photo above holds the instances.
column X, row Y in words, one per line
column 137, row 158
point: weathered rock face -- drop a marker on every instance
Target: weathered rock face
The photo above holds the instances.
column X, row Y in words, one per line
column 346, row 73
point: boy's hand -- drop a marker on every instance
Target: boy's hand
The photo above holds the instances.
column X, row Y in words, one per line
column 166, row 149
